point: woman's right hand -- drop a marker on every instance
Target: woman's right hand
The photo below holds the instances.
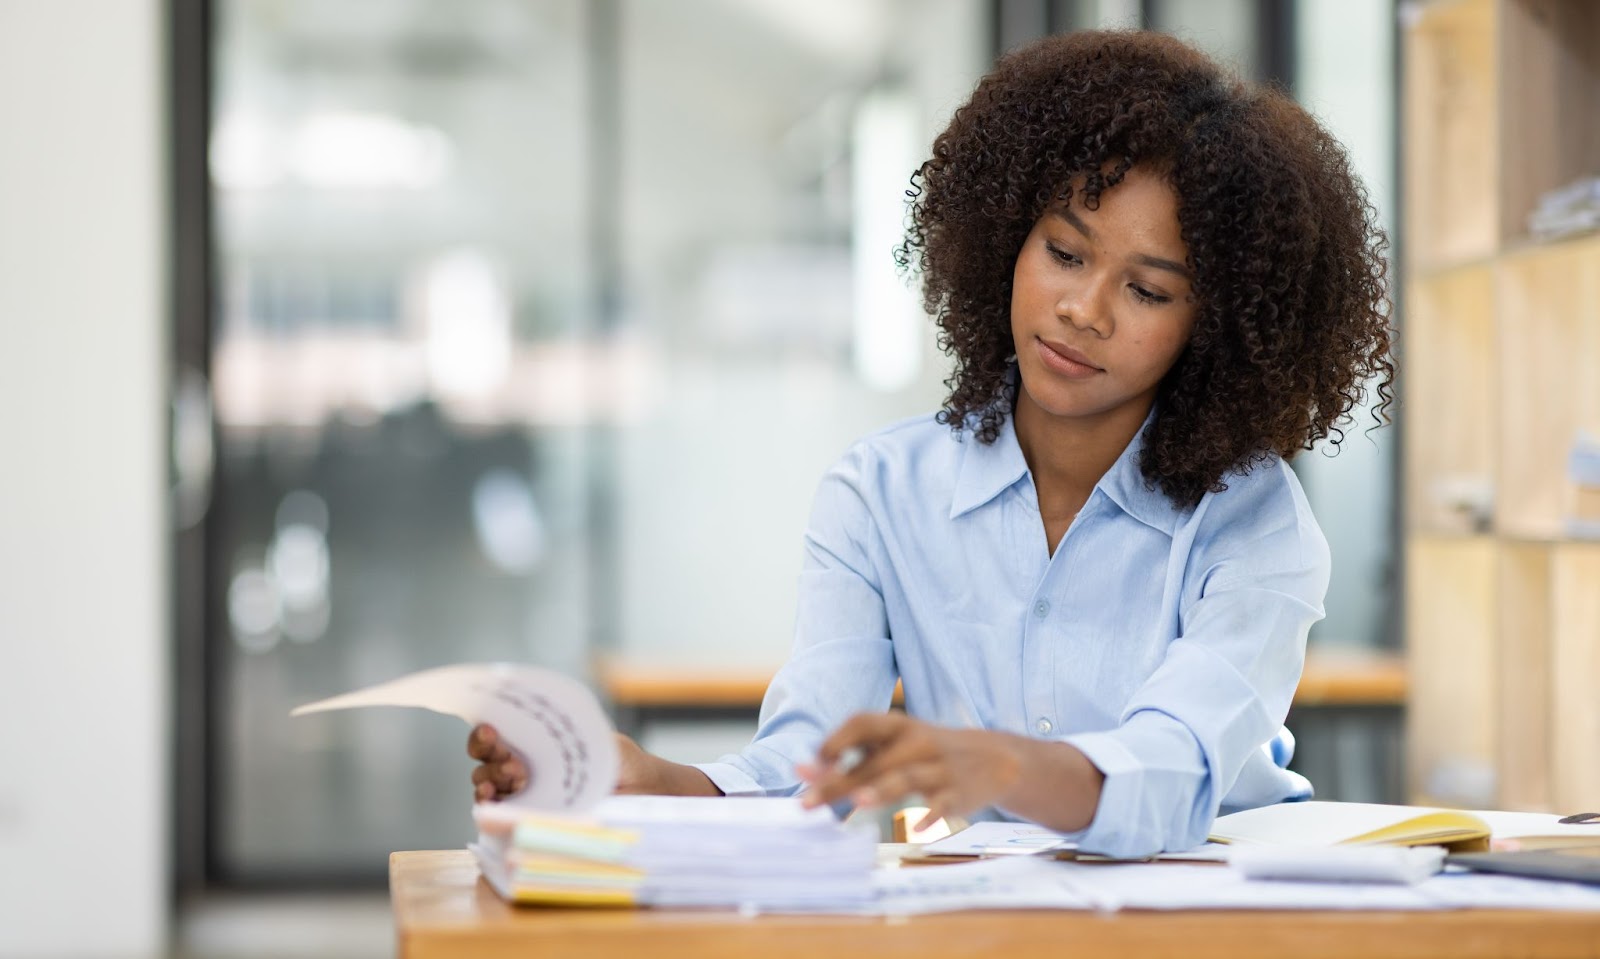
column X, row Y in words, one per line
column 501, row 773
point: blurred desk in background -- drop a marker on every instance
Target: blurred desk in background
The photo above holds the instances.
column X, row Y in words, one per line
column 1347, row 715
column 1352, row 680
column 442, row 910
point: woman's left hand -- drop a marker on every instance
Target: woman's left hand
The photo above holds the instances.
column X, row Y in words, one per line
column 956, row 771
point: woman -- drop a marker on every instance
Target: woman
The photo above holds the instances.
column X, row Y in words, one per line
column 1092, row 571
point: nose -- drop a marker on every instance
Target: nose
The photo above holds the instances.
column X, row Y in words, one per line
column 1085, row 302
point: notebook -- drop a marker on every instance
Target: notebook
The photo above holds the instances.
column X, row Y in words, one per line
column 1333, row 823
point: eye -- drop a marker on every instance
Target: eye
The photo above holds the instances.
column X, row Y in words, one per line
column 1145, row 296
column 1062, row 255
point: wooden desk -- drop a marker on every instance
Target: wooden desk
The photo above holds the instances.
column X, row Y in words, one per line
column 443, row 911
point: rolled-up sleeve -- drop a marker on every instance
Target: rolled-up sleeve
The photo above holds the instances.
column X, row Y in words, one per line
column 1222, row 690
column 842, row 661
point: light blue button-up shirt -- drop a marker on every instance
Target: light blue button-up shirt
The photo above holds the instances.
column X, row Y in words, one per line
column 1165, row 644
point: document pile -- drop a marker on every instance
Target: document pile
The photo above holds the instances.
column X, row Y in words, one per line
column 750, row 853
column 564, row 839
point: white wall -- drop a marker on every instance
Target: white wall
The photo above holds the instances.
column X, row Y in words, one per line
column 734, row 446
column 83, row 636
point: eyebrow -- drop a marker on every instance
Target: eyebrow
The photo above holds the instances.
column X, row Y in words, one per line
column 1157, row 262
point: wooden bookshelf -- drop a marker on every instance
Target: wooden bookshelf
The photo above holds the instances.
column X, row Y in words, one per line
column 1575, row 649
column 1450, row 97
column 1451, row 731
column 1500, row 366
column 1547, row 300
column 1523, row 676
column 1448, row 341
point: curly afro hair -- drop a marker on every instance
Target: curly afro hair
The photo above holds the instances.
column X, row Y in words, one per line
column 1290, row 279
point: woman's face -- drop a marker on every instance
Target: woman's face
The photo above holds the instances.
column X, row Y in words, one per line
column 1101, row 301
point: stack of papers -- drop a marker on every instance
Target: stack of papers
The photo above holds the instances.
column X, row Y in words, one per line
column 746, row 853
column 564, row 840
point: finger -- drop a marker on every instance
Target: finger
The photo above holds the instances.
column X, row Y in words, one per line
column 863, row 730
column 835, row 784
column 483, row 792
column 828, row 780
column 513, row 776
column 943, row 803
column 912, row 745
column 895, row 785
column 482, row 741
column 936, row 812
column 483, row 773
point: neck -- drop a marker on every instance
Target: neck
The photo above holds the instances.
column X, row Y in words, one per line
column 1067, row 455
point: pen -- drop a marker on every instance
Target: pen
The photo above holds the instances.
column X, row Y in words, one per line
column 849, row 759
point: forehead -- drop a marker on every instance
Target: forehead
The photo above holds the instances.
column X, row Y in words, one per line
column 1142, row 210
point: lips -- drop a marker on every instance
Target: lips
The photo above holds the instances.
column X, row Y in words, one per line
column 1065, row 360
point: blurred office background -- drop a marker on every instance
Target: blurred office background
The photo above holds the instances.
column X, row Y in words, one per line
column 346, row 339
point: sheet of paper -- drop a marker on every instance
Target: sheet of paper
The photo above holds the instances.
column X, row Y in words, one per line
column 1166, row 886
column 1178, row 886
column 1041, row 883
column 998, row 839
column 1480, row 890
column 553, row 721
column 1016, row 882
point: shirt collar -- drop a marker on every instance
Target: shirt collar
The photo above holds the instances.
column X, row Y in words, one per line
column 989, row 469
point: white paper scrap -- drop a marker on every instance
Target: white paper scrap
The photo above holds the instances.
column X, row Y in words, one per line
column 1401, row 864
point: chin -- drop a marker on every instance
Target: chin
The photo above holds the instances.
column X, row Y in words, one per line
column 1065, row 399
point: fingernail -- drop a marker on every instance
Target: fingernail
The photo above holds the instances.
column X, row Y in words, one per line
column 866, row 798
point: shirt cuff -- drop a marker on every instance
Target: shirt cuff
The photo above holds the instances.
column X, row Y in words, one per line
column 732, row 780
column 1147, row 797
column 1120, row 791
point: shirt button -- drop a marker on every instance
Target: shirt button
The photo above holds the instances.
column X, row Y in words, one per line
column 1041, row 609
column 1044, row 726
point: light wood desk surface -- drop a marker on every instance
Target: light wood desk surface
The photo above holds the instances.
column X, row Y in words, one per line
column 443, row 911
